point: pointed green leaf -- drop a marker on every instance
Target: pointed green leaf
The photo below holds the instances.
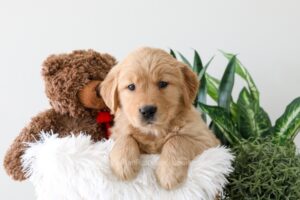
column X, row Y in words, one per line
column 234, row 111
column 202, row 72
column 185, row 60
column 243, row 72
column 218, row 133
column 222, row 120
column 214, row 80
column 226, row 85
column 197, row 67
column 288, row 125
column 212, row 86
column 253, row 121
column 203, row 83
column 172, row 53
column 202, row 95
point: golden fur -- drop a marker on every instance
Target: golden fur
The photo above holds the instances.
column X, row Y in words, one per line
column 177, row 132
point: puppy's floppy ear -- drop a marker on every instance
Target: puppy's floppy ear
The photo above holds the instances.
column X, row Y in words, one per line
column 191, row 84
column 109, row 90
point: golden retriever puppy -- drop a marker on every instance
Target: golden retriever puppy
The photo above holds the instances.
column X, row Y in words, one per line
column 151, row 95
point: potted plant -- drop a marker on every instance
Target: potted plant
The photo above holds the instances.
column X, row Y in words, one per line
column 267, row 164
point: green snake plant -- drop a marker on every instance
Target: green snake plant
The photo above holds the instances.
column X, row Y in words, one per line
column 267, row 165
column 243, row 119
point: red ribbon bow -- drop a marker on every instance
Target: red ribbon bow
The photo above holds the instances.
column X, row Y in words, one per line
column 105, row 118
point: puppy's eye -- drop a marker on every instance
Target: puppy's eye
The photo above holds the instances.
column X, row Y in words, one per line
column 131, row 87
column 162, row 84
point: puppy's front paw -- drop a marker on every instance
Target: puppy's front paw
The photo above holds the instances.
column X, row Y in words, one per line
column 124, row 168
column 169, row 176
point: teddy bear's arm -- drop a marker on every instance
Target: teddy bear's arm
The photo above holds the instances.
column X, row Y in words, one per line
column 12, row 160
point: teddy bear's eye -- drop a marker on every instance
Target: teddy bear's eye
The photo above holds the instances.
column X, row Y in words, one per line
column 131, row 87
column 162, row 84
column 97, row 90
column 90, row 77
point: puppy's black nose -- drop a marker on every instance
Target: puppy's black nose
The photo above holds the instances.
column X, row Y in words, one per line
column 148, row 111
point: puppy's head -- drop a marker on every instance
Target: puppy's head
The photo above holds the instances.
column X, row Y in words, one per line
column 150, row 87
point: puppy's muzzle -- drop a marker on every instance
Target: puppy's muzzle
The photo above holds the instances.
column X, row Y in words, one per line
column 148, row 112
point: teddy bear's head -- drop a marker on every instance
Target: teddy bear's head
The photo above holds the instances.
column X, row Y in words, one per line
column 71, row 81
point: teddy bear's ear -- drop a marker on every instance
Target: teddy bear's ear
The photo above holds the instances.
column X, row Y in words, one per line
column 109, row 89
column 53, row 64
column 111, row 61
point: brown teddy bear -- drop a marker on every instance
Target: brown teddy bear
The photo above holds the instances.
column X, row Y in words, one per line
column 71, row 82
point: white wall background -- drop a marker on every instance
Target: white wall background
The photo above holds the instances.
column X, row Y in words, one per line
column 265, row 33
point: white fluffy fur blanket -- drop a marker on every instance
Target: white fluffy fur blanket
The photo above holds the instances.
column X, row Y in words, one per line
column 75, row 168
